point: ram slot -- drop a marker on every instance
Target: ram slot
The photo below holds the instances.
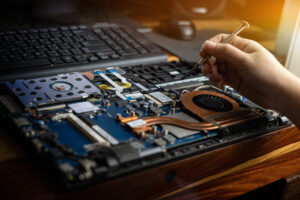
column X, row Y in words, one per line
column 85, row 129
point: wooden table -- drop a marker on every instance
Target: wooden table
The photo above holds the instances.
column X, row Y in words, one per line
column 219, row 174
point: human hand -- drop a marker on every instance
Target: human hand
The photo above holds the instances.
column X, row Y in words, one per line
column 247, row 67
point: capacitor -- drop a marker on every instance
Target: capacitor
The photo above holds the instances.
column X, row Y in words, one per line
column 132, row 113
column 107, row 103
column 165, row 132
column 176, row 93
column 172, row 111
column 154, row 128
column 146, row 105
column 118, row 116
column 205, row 133
column 142, row 134
column 69, row 110
column 173, row 96
column 150, row 102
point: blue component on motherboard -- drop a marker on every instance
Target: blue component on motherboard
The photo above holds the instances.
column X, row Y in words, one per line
column 234, row 93
column 111, row 71
column 67, row 134
column 114, row 128
column 193, row 138
column 98, row 72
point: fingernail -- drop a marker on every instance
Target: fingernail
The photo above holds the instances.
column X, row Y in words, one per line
column 210, row 45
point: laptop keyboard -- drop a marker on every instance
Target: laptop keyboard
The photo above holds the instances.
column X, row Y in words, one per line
column 69, row 45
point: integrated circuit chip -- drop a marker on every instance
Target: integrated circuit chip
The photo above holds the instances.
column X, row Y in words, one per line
column 136, row 123
column 160, row 142
column 82, row 107
column 161, row 97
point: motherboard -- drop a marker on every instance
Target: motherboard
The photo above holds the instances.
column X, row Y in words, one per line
column 96, row 125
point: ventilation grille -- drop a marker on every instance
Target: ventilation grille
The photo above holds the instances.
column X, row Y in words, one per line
column 212, row 103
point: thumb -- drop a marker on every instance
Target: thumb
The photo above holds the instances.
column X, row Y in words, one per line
column 223, row 52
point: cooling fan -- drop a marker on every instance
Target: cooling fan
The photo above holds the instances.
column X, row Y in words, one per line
column 212, row 103
column 207, row 103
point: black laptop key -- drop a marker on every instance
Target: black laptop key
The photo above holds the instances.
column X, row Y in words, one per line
column 93, row 43
column 94, row 49
column 100, row 48
column 68, row 59
column 89, row 37
column 56, row 61
column 93, row 59
column 29, row 57
column 152, row 48
column 79, row 32
column 141, row 50
column 80, row 58
column 53, row 54
column 76, row 51
column 114, row 56
column 103, row 57
column 53, row 29
column 74, row 27
column 64, row 52
column 129, row 52
column 15, row 57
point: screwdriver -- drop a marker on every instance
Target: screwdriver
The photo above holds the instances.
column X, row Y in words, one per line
column 228, row 39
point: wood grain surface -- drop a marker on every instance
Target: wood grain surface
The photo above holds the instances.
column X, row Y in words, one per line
column 292, row 187
column 265, row 164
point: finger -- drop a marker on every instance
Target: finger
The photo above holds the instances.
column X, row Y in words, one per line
column 212, row 60
column 222, row 68
column 225, row 80
column 219, row 38
column 214, row 69
column 215, row 76
column 206, row 69
column 208, row 76
column 214, row 63
column 219, row 83
column 238, row 42
column 225, row 52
